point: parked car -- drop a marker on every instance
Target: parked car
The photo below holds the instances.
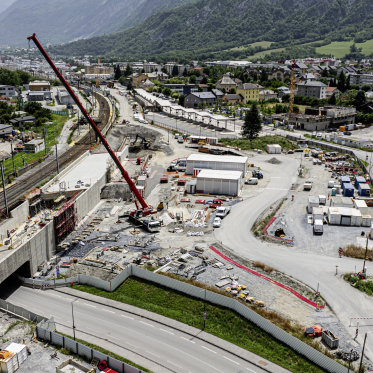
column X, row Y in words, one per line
column 252, row 181
column 347, row 133
column 319, row 135
column 314, row 134
column 216, row 223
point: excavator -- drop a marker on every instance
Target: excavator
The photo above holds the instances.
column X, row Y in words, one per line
column 142, row 214
column 145, row 143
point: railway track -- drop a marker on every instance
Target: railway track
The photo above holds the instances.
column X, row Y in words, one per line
column 49, row 167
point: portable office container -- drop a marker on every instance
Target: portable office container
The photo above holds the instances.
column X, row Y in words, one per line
column 334, row 217
column 341, row 202
column 271, row 149
column 318, row 227
column 356, row 218
column 141, row 180
column 277, row 149
column 317, row 213
column 346, row 214
column 313, row 201
column 361, row 206
column 366, row 220
column 359, row 180
column 348, row 190
column 322, row 200
column 364, row 190
column 345, row 179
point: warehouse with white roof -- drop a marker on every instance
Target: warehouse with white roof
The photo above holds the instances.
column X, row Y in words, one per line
column 216, row 162
column 228, row 183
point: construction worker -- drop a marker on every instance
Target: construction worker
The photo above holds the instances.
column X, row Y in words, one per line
column 292, row 197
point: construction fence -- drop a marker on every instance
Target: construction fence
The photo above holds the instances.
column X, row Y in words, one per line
column 315, row 356
column 82, row 350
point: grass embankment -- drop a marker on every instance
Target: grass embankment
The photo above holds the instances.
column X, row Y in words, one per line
column 53, row 131
column 358, row 252
column 221, row 322
column 339, row 49
column 261, row 142
column 102, row 350
column 366, row 286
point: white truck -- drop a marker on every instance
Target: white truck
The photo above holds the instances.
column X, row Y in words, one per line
column 318, row 226
column 222, row 211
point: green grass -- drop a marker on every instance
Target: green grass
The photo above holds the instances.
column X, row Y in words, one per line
column 366, row 164
column 106, row 352
column 221, row 322
column 53, row 132
column 261, row 142
column 339, row 48
column 263, row 53
column 364, row 286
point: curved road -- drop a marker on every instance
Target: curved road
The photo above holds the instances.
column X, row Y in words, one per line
column 171, row 350
column 309, row 268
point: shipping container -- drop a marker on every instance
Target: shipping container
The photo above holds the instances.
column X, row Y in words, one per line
column 364, row 190
column 366, row 220
column 348, row 190
column 317, row 213
column 359, row 180
column 9, row 364
column 342, row 128
column 334, row 217
column 313, row 201
column 361, row 206
column 356, row 218
column 277, row 149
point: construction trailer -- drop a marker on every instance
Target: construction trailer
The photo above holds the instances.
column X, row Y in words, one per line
column 356, row 218
column 366, row 221
column 348, row 190
column 334, row 217
column 359, row 180
column 339, row 201
column 317, row 213
column 345, row 179
column 273, row 149
column 216, row 162
column 346, row 215
column 364, row 190
column 217, row 182
column 313, row 201
column 361, row 206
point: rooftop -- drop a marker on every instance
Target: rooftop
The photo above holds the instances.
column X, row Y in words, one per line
column 217, row 158
column 219, row 174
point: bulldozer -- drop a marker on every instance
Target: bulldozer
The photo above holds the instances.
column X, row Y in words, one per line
column 145, row 143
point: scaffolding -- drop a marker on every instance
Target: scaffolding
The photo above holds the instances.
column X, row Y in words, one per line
column 65, row 220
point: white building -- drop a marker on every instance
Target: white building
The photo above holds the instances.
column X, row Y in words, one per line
column 312, row 89
column 64, row 97
column 7, row 91
column 216, row 162
column 219, row 182
column 361, row 79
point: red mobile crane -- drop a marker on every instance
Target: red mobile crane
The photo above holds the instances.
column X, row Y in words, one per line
column 137, row 215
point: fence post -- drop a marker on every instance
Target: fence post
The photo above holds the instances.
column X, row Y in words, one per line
column 63, row 341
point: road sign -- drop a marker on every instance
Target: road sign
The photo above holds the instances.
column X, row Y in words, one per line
column 57, row 272
column 204, row 316
column 340, row 254
column 57, row 267
column 340, row 250
column 317, row 294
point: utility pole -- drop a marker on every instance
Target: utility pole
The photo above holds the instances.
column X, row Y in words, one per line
column 4, row 190
column 14, row 166
column 45, row 141
column 58, row 169
column 365, row 256
column 362, row 353
column 72, row 312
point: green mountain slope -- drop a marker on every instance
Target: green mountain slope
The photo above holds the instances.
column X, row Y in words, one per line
column 199, row 30
column 61, row 21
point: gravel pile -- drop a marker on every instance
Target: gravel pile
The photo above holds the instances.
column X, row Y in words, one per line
column 274, row 161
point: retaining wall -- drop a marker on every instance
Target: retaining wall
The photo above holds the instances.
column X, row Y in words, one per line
column 18, row 216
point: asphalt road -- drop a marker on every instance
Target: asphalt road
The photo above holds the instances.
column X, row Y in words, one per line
column 311, row 269
column 175, row 350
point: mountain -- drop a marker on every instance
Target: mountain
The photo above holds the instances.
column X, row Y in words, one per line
column 206, row 27
column 62, row 21
column 5, row 4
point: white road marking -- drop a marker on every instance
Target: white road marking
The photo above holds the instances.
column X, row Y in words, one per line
column 55, row 295
column 166, row 331
column 231, row 360
column 147, row 324
column 208, row 349
column 107, row 310
column 188, row 340
column 251, row 370
column 131, row 344
column 151, row 353
column 174, row 364
column 90, row 305
column 96, row 331
column 128, row 317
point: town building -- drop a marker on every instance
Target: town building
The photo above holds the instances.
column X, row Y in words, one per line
column 193, row 100
column 233, row 98
column 34, row 146
column 39, row 86
column 267, row 94
column 183, row 89
column 312, row 89
column 226, row 83
column 361, row 79
column 64, row 97
column 7, row 91
column 249, row 91
column 21, row 121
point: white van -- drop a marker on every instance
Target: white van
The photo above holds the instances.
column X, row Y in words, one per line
column 180, row 139
column 222, row 212
column 252, row 181
column 318, row 226
column 331, row 184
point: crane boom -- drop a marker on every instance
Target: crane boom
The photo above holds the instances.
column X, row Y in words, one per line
column 124, row 173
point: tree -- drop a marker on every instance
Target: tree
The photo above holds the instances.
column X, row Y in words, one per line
column 32, row 107
column 193, row 79
column 263, row 76
column 142, row 71
column 175, row 71
column 366, row 87
column 232, row 91
column 252, row 123
column 181, row 100
column 118, row 73
column 356, row 87
column 324, row 80
column 204, row 80
column 167, row 91
column 324, row 73
column 128, row 70
column 360, row 99
column 348, row 83
column 185, row 73
column 129, row 85
column 164, row 70
column 341, row 82
column 332, row 100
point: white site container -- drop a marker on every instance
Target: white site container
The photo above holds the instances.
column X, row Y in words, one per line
column 356, row 218
column 277, row 149
column 141, row 190
column 366, row 220
column 141, row 180
column 334, row 217
column 361, row 206
column 20, row 350
column 325, row 210
column 313, row 201
column 9, row 364
column 341, row 202
column 346, row 215
column 322, row 200
column 318, row 227
column 331, row 184
column 317, row 213
column 271, row 149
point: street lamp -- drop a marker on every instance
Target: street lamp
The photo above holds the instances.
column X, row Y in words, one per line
column 72, row 312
